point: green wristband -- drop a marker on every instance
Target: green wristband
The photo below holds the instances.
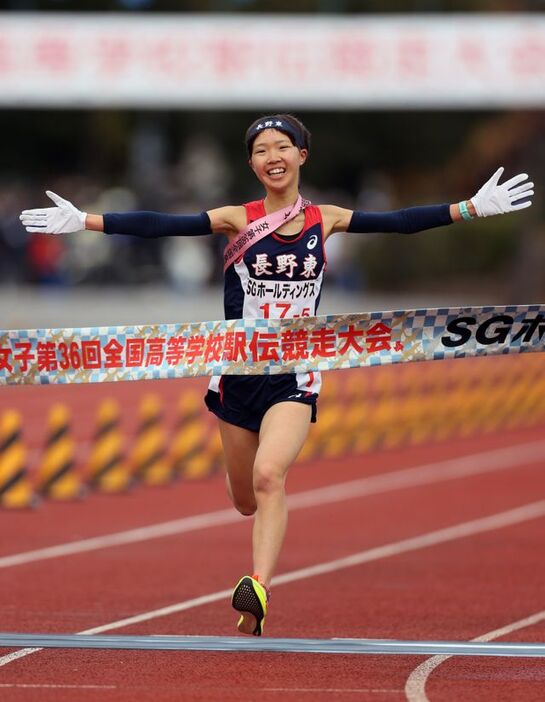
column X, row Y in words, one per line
column 464, row 211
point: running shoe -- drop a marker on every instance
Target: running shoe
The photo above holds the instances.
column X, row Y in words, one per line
column 250, row 598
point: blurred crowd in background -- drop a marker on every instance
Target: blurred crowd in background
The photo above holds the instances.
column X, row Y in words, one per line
column 186, row 162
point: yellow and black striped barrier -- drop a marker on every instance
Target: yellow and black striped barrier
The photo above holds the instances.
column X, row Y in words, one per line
column 149, row 460
column 196, row 450
column 15, row 488
column 107, row 468
column 57, row 477
column 383, row 408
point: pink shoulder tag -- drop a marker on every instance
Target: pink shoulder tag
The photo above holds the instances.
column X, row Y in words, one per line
column 259, row 229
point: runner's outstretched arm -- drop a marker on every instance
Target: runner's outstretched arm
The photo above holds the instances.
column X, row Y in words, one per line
column 66, row 218
column 491, row 199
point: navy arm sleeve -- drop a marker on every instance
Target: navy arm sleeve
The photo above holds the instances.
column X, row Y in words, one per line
column 407, row 221
column 155, row 224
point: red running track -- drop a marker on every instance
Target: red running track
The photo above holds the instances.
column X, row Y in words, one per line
column 459, row 589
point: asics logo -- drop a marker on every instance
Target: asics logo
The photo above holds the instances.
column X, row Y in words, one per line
column 299, row 394
column 312, row 241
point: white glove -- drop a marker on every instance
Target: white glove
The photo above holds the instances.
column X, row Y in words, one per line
column 493, row 199
column 62, row 219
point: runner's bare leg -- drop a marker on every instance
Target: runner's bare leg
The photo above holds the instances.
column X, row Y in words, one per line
column 284, row 429
column 239, row 448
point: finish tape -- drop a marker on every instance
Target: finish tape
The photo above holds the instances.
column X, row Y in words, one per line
column 266, row 346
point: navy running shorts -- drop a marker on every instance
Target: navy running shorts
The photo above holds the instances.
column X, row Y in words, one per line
column 243, row 400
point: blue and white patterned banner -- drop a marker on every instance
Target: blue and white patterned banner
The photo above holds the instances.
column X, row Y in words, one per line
column 266, row 346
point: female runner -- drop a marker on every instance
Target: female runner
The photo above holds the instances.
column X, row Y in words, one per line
column 264, row 420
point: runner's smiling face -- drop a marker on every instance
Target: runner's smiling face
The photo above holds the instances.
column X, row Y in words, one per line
column 276, row 160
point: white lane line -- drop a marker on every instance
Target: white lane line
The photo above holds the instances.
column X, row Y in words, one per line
column 451, row 469
column 532, row 510
column 524, row 513
column 415, row 687
column 121, row 538
column 47, row 686
column 376, row 691
column 8, row 658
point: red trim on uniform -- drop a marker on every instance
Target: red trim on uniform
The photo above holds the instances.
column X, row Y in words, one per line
column 313, row 215
column 311, row 380
column 321, row 221
column 293, row 237
column 311, row 218
column 254, row 210
column 220, row 388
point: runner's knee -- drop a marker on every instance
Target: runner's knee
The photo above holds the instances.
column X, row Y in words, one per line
column 268, row 478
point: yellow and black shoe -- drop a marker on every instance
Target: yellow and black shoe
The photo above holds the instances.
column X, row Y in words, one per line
column 250, row 598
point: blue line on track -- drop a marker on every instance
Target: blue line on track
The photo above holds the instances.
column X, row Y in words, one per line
column 237, row 644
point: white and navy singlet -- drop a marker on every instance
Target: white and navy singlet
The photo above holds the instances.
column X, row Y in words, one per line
column 280, row 276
